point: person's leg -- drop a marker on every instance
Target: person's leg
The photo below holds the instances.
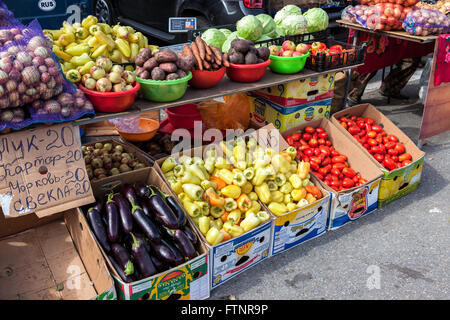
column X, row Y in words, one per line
column 358, row 85
column 399, row 76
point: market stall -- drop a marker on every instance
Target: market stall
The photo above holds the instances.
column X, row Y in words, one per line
column 180, row 224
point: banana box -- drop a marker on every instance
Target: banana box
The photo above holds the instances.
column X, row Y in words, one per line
column 299, row 92
column 350, row 204
column 396, row 183
column 303, row 224
column 263, row 112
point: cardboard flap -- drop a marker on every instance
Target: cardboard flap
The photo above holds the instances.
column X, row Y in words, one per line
column 43, row 171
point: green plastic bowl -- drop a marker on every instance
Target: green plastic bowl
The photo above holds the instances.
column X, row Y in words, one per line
column 164, row 90
column 287, row 65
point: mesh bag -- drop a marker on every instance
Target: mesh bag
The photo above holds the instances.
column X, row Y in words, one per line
column 424, row 22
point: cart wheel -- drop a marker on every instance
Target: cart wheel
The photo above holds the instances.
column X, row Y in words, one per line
column 103, row 10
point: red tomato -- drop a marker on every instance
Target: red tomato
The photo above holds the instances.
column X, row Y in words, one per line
column 303, row 142
column 310, row 130
column 395, row 158
column 348, row 183
column 372, row 142
column 313, row 142
column 400, row 148
column 318, row 175
column 328, row 143
column 323, row 171
column 403, row 157
column 361, row 124
column 376, row 128
column 314, row 166
column 390, row 145
column 334, row 153
column 325, row 150
column 406, row 162
column 353, row 130
column 371, row 134
column 338, row 159
column 388, row 163
column 315, row 159
column 321, row 141
column 308, row 152
column 339, row 166
column 320, row 130
column 369, row 121
column 392, row 138
column 323, row 135
column 290, row 140
column 326, row 161
column 344, row 124
column 335, row 172
column 392, row 152
column 297, row 136
column 307, row 136
column 349, row 172
column 353, row 118
column 343, row 119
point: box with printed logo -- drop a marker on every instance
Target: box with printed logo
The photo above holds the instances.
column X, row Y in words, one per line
column 299, row 92
column 263, row 112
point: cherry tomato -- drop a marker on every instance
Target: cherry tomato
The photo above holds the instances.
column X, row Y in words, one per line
column 348, row 183
column 313, row 142
column 310, row 129
column 378, row 157
column 290, row 140
column 338, row 159
column 371, row 134
column 307, row 136
column 349, row 172
column 353, row 130
column 323, row 135
column 400, row 147
column 403, row 157
column 376, row 128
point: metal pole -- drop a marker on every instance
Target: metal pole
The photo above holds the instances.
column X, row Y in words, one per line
column 349, row 79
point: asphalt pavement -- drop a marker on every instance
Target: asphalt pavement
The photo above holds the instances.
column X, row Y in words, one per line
column 397, row 252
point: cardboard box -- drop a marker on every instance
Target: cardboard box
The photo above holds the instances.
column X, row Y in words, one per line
column 397, row 183
column 263, row 112
column 57, row 260
column 130, row 148
column 189, row 281
column 353, row 203
column 300, row 92
column 303, row 224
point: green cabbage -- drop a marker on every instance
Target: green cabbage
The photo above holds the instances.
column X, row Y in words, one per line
column 317, row 19
column 286, row 11
column 226, row 32
column 249, row 27
column 267, row 22
column 293, row 24
column 214, row 37
column 262, row 38
column 227, row 43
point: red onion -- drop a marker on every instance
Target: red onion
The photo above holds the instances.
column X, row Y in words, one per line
column 41, row 52
column 42, row 88
column 26, row 99
column 58, row 90
column 30, row 75
column 51, row 84
column 10, row 85
column 79, row 93
column 31, row 91
column 79, row 102
column 5, row 35
column 21, row 88
column 36, row 42
column 45, row 77
column 17, row 119
column 7, row 115
column 4, row 103
column 13, row 49
column 3, row 77
column 18, row 37
column 66, row 112
column 17, row 65
column 38, row 61
column 47, row 94
column 18, row 112
column 50, row 62
column 52, row 106
column 15, row 31
column 24, row 57
column 88, row 106
column 37, row 104
column 2, row 91
column 59, row 79
column 14, row 99
column 42, row 69
column 6, row 66
column 15, row 75
column 66, row 100
column 53, row 71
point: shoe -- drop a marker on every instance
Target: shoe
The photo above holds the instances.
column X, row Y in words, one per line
column 397, row 96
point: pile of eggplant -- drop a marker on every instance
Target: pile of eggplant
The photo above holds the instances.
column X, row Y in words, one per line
column 143, row 231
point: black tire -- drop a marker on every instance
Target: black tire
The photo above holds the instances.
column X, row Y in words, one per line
column 104, row 11
column 203, row 22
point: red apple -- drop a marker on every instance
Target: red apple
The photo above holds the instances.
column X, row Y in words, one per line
column 288, row 45
column 274, row 50
column 280, row 53
column 297, row 54
column 287, row 53
column 302, row 48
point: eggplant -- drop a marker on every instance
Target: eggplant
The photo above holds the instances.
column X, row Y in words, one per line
column 185, row 245
column 144, row 222
column 163, row 213
column 163, row 252
column 124, row 212
column 179, row 259
column 175, row 207
column 142, row 258
column 144, row 241
column 129, row 194
column 190, row 234
column 142, row 190
column 159, row 265
column 112, row 218
column 119, row 270
column 123, row 258
column 98, row 228
column 99, row 204
column 146, row 207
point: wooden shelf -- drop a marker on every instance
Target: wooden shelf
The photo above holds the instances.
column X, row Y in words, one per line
column 224, row 88
column 395, row 34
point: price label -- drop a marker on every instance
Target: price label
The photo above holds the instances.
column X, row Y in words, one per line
column 182, row 24
column 43, row 171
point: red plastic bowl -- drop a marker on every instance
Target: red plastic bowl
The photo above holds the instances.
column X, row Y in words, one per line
column 203, row 79
column 183, row 116
column 247, row 72
column 111, row 101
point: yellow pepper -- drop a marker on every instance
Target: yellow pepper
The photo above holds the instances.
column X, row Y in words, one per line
column 270, row 152
column 193, row 191
column 222, row 163
column 303, row 169
column 277, row 196
column 168, row 164
column 253, row 196
column 213, row 198
column 123, row 47
column 68, row 66
column 272, row 185
column 226, row 175
column 298, row 194
column 263, row 193
column 277, row 208
column 233, row 230
column 105, row 28
column 78, row 49
column 280, row 179
column 103, row 39
column 81, row 33
column 231, row 191
column 260, row 176
column 198, row 170
column 239, row 179
column 115, row 56
column 217, row 212
column 101, row 50
column 53, row 34
column 67, row 27
column 243, row 202
column 70, row 45
column 133, row 38
column 263, row 216
column 141, row 41
column 94, row 28
column 89, row 21
column 206, row 184
column 242, row 165
column 219, row 223
column 214, row 236
column 291, row 206
column 247, row 187
column 250, row 222
column 122, row 32
column 176, row 186
column 310, row 198
column 280, row 163
column 249, row 173
column 254, row 208
column 292, row 152
column 66, row 38
column 204, row 207
column 295, row 180
column 288, row 199
column 80, row 60
column 203, row 224
column 302, row 203
column 73, row 76
column 191, row 208
column 234, row 216
column 62, row 55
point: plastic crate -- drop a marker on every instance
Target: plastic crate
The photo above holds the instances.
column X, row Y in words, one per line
column 322, row 62
column 198, row 32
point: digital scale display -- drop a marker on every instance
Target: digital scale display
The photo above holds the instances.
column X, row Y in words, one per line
column 180, row 24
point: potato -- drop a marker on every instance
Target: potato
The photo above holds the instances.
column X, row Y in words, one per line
column 168, row 67
column 158, row 74
column 181, row 73
column 186, row 63
column 145, row 75
column 166, row 55
column 172, row 76
column 150, row 64
column 143, row 56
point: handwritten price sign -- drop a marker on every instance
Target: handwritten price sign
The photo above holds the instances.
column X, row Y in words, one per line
column 42, row 171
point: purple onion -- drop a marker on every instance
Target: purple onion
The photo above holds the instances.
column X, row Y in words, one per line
column 15, row 31
column 47, row 94
column 36, row 41
column 18, row 112
column 30, row 75
column 6, row 67
column 13, row 49
column 26, row 99
column 66, row 112
column 3, row 77
column 15, row 75
column 37, row 104
column 53, row 71
column 24, row 57
column 66, row 100
column 49, row 62
column 31, row 91
column 45, row 77
column 6, row 115
column 41, row 52
column 5, row 35
column 51, row 84
column 21, row 88
column 79, row 102
column 11, row 85
column 17, row 65
column 88, row 106
column 52, row 106
column 42, row 68
column 79, row 93
column 58, row 89
column 18, row 37
column 59, row 79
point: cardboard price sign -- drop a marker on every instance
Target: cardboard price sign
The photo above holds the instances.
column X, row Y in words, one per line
column 43, row 171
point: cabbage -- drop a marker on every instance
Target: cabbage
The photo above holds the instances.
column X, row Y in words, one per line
column 286, row 11
column 267, row 22
column 249, row 27
column 262, row 38
column 214, row 37
column 293, row 24
column 226, row 32
column 317, row 19
column 227, row 43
